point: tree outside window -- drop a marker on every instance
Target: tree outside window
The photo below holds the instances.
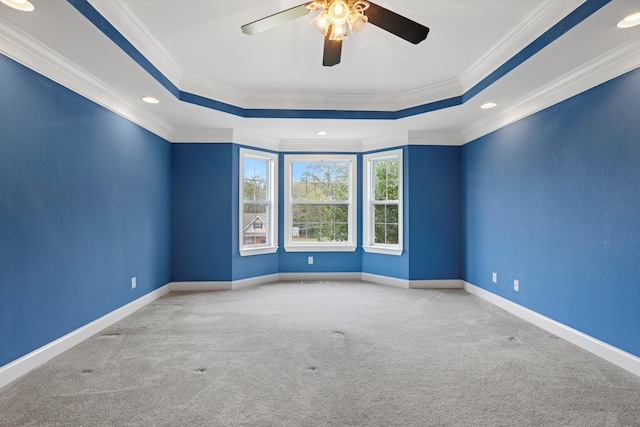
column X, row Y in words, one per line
column 320, row 202
column 258, row 201
column 382, row 213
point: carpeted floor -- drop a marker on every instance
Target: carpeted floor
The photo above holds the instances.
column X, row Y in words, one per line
column 323, row 354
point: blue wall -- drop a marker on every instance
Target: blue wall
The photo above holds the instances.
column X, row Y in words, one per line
column 435, row 198
column 205, row 219
column 202, row 207
column 432, row 218
column 84, row 207
column 554, row 201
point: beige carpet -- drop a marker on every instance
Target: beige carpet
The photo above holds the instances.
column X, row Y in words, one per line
column 323, row 354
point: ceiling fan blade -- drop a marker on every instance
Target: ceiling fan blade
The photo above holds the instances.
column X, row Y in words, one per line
column 274, row 20
column 396, row 24
column 332, row 52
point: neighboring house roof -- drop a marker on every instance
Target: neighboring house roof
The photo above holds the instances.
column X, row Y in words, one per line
column 250, row 219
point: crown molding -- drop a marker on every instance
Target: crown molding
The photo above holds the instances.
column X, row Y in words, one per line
column 593, row 73
column 527, row 30
column 253, row 140
column 435, row 138
column 316, row 145
column 31, row 53
column 122, row 17
column 203, row 87
column 385, row 141
column 209, row 135
column 442, row 90
column 543, row 17
column 24, row 49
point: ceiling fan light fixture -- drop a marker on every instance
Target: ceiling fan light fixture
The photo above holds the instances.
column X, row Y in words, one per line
column 23, row 5
column 630, row 21
column 338, row 32
column 356, row 22
column 336, row 15
column 321, row 23
column 338, row 12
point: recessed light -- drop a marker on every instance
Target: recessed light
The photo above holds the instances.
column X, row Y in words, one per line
column 630, row 21
column 322, row 133
column 23, row 5
column 488, row 105
column 149, row 99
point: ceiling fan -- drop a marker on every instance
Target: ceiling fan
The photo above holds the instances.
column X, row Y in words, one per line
column 336, row 16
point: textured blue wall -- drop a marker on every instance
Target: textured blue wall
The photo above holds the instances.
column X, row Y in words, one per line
column 435, row 205
column 84, row 207
column 554, row 201
column 201, row 212
column 205, row 220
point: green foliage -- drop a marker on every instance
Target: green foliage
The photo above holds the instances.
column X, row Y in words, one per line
column 321, row 182
column 386, row 224
column 255, row 189
column 385, row 194
column 320, row 201
column 385, row 182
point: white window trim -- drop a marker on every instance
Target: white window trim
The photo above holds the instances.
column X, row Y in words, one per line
column 273, row 194
column 368, row 244
column 350, row 245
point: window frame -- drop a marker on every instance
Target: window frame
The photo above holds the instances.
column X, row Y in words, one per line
column 272, row 183
column 348, row 246
column 368, row 225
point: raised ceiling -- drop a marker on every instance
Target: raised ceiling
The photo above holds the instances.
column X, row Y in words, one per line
column 216, row 83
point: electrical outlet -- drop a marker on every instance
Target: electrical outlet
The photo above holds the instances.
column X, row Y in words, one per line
column 516, row 285
column 494, row 277
column 310, row 260
column 133, row 283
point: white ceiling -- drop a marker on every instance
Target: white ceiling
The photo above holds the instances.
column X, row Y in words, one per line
column 198, row 46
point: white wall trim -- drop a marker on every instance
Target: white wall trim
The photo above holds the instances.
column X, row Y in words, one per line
column 250, row 282
column 608, row 352
column 386, row 280
column 318, row 276
column 201, row 286
column 613, row 64
column 122, row 17
column 436, row 284
column 26, row 363
column 31, row 53
column 324, row 146
column 314, row 277
column 24, row 49
column 528, row 29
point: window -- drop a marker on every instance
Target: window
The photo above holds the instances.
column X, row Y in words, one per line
column 320, row 203
column 258, row 202
column 382, row 213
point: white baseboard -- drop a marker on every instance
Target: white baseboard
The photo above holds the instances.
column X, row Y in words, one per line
column 200, row 286
column 254, row 281
column 26, row 363
column 606, row 351
column 385, row 280
column 436, row 284
column 314, row 277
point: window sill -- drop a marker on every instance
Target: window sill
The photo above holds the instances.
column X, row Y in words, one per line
column 320, row 248
column 383, row 250
column 259, row 251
